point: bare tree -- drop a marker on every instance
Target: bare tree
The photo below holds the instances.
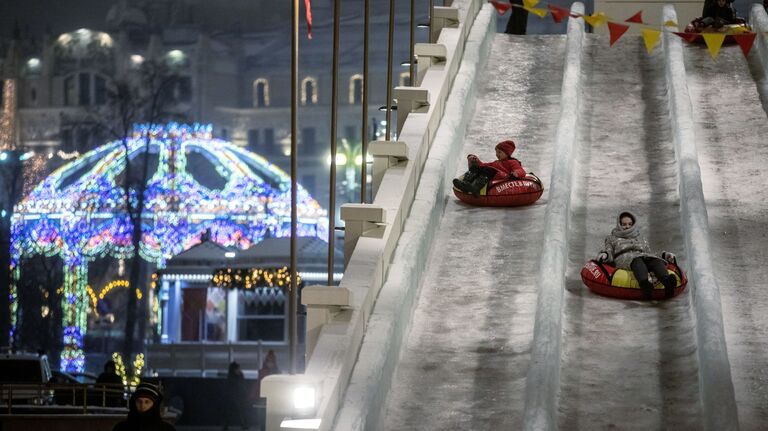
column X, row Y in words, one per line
column 142, row 97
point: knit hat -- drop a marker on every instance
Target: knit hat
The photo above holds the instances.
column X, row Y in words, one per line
column 147, row 390
column 507, row 146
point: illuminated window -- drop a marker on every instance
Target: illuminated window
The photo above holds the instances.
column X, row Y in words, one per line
column 356, row 89
column 309, row 91
column 405, row 79
column 260, row 93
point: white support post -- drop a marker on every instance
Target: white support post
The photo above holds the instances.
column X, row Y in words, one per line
column 323, row 304
column 232, row 315
column 361, row 220
column 410, row 99
column 385, row 155
column 428, row 54
column 443, row 16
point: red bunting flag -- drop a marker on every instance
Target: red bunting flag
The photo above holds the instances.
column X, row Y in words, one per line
column 501, row 8
column 308, row 6
column 616, row 31
column 688, row 37
column 558, row 13
column 636, row 18
column 745, row 41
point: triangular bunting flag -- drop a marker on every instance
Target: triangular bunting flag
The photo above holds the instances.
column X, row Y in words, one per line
column 670, row 23
column 501, row 8
column 745, row 41
column 616, row 30
column 308, row 6
column 536, row 11
column 637, row 18
column 651, row 38
column 530, row 4
column 596, row 20
column 688, row 37
column 714, row 41
column 558, row 13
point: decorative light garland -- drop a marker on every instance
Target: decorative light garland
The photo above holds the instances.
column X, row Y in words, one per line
column 138, row 367
column 250, row 278
column 79, row 212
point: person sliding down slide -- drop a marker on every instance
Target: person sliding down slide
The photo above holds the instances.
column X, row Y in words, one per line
column 479, row 173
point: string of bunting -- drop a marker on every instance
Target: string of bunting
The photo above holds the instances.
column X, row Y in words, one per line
column 651, row 35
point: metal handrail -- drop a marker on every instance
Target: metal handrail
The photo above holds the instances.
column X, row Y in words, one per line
column 45, row 390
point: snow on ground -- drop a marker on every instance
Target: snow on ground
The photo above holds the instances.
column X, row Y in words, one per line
column 731, row 131
column 626, row 364
column 464, row 362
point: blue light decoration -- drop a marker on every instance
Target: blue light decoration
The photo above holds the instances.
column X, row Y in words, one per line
column 79, row 212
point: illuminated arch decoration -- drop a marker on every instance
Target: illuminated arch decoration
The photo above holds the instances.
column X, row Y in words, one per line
column 79, row 213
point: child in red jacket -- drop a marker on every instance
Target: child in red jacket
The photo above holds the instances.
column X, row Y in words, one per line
column 479, row 173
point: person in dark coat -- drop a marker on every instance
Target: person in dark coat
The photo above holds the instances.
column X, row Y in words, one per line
column 144, row 411
column 518, row 19
column 109, row 379
column 237, row 397
column 479, row 173
column 718, row 13
column 628, row 249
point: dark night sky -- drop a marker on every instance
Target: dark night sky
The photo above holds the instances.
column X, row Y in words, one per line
column 61, row 15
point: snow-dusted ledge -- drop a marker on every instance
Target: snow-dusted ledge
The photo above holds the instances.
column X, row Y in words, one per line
column 339, row 341
column 543, row 379
column 717, row 395
column 758, row 19
column 389, row 322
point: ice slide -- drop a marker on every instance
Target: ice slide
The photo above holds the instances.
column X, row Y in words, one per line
column 623, row 364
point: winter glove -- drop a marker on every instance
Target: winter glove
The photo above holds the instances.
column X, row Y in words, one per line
column 602, row 257
column 669, row 257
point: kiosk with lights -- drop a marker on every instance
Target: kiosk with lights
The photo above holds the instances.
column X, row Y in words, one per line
column 196, row 185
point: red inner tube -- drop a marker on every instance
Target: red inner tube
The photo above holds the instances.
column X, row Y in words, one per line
column 598, row 276
column 506, row 193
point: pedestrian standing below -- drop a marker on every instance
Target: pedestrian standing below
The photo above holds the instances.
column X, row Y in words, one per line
column 112, row 384
column 237, row 397
column 144, row 411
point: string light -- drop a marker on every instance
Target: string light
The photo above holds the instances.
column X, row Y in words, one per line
column 249, row 278
column 79, row 212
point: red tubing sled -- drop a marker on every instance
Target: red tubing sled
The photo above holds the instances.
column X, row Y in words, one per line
column 606, row 280
column 505, row 193
column 693, row 31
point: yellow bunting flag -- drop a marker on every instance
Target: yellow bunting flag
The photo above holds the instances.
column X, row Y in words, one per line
column 714, row 41
column 651, row 38
column 596, row 20
column 537, row 11
column 670, row 23
column 530, row 4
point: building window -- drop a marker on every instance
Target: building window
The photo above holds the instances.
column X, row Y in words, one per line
column 260, row 93
column 253, row 139
column 309, row 91
column 405, row 79
column 261, row 315
column 356, row 89
column 308, row 140
column 88, row 89
column 269, row 141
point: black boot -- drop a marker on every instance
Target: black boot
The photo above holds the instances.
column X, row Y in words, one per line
column 464, row 183
column 646, row 287
column 669, row 286
column 478, row 183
